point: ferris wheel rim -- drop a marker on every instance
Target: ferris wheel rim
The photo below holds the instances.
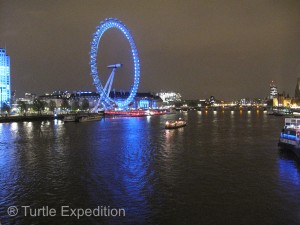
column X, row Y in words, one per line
column 100, row 30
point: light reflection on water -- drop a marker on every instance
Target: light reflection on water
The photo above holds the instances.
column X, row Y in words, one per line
column 289, row 184
column 288, row 171
column 224, row 166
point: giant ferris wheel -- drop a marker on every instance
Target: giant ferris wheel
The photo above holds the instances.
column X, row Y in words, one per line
column 104, row 91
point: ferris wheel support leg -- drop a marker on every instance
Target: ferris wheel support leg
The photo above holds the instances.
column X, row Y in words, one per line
column 108, row 84
column 111, row 81
column 96, row 106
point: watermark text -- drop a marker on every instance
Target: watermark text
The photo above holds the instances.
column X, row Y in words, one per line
column 65, row 211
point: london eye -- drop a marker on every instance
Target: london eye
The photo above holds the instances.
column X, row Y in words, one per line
column 104, row 91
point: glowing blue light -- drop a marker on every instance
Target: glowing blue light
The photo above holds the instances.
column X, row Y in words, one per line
column 288, row 172
column 104, row 26
column 4, row 78
column 288, row 136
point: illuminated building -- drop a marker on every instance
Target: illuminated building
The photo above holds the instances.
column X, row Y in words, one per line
column 212, row 100
column 30, row 97
column 147, row 101
column 141, row 100
column 13, row 97
column 4, row 78
column 282, row 101
column 169, row 96
column 273, row 90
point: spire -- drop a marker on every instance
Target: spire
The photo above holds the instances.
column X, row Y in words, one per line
column 297, row 89
column 273, row 90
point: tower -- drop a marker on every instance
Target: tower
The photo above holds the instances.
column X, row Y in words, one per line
column 4, row 78
column 273, row 90
column 297, row 89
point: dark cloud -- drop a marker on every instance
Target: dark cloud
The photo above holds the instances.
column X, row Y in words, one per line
column 229, row 49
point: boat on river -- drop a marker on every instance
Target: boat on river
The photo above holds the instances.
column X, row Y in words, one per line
column 290, row 135
column 83, row 117
column 280, row 111
column 70, row 118
column 175, row 124
column 90, row 117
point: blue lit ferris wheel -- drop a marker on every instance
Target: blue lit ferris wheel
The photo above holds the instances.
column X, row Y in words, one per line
column 104, row 91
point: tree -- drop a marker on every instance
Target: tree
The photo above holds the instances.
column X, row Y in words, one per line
column 65, row 104
column 85, row 105
column 52, row 105
column 192, row 103
column 178, row 104
column 23, row 106
column 38, row 105
column 45, row 104
column 5, row 108
column 75, row 106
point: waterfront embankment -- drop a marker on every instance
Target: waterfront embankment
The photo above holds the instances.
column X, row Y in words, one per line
column 24, row 118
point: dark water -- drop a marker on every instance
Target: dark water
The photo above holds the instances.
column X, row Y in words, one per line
column 223, row 168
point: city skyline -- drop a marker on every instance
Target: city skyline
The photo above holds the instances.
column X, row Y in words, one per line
column 229, row 50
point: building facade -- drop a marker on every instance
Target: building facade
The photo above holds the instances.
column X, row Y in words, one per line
column 141, row 100
column 4, row 78
column 169, row 96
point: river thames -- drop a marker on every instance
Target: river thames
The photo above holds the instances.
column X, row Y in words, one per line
column 222, row 168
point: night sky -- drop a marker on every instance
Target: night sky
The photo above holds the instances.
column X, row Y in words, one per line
column 229, row 49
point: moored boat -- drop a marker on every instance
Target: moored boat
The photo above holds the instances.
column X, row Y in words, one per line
column 90, row 117
column 175, row 124
column 280, row 111
column 290, row 135
column 69, row 118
